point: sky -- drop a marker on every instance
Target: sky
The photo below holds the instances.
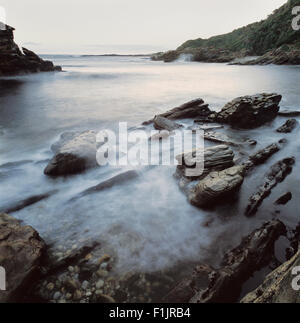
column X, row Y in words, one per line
column 126, row 26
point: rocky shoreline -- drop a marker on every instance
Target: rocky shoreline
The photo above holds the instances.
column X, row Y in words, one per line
column 14, row 61
column 85, row 273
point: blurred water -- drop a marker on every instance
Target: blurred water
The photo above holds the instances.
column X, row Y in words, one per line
column 148, row 221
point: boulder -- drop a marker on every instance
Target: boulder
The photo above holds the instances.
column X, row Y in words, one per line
column 215, row 158
column 161, row 123
column 217, row 187
column 276, row 175
column 210, row 285
column 250, row 111
column 277, row 287
column 74, row 153
column 288, row 127
column 190, row 110
column 21, row 251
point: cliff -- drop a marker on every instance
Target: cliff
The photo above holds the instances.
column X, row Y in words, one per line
column 13, row 61
column 274, row 38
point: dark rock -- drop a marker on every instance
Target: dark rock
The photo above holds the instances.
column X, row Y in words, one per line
column 289, row 113
column 217, row 187
column 288, row 127
column 27, row 202
column 276, row 175
column 264, row 154
column 220, row 138
column 21, row 251
column 116, row 180
column 161, row 123
column 74, row 154
column 284, row 199
column 250, row 111
column 209, row 285
column 190, row 110
column 14, row 62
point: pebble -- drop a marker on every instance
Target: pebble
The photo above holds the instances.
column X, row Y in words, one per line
column 68, row 296
column 50, row 286
column 85, row 285
column 104, row 258
column 71, row 269
column 56, row 295
column 102, row 273
column 99, row 284
column 77, row 295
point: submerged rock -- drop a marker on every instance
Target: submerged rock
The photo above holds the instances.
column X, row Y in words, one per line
column 215, row 158
column 250, row 111
column 161, row 123
column 27, row 202
column 277, row 287
column 277, row 174
column 216, row 187
column 209, row 285
column 284, row 199
column 21, row 251
column 74, row 154
column 288, row 127
column 13, row 61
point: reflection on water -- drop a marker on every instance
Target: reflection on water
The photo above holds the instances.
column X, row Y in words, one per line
column 147, row 222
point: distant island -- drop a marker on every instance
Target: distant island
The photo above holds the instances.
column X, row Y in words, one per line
column 273, row 40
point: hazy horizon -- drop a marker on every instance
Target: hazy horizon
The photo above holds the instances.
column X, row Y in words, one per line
column 125, row 27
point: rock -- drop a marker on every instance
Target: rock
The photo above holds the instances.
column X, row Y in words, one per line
column 190, row 110
column 116, row 180
column 209, row 128
column 264, row 154
column 101, row 298
column 14, row 62
column 27, row 202
column 56, row 296
column 277, row 287
column 215, row 158
column 284, row 199
column 289, row 113
column 219, row 138
column 209, row 285
column 288, row 127
column 77, row 295
column 21, row 252
column 161, row 123
column 216, row 187
column 277, row 174
column 250, row 111
column 161, row 135
column 99, row 284
column 73, row 156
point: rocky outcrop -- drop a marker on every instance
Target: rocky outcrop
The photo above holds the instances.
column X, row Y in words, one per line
column 74, row 153
column 277, row 174
column 209, row 285
column 190, row 110
column 13, row 61
column 217, row 187
column 250, row 111
column 21, row 251
column 288, row 127
column 277, row 287
column 215, row 158
column 161, row 123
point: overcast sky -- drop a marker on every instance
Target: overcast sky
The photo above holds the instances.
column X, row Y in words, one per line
column 126, row 26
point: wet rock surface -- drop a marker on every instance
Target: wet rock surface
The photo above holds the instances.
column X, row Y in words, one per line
column 74, row 153
column 276, row 175
column 21, row 252
column 288, row 127
column 284, row 199
column 161, row 123
column 216, row 187
column 250, row 111
column 13, row 61
column 223, row 285
column 289, row 113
